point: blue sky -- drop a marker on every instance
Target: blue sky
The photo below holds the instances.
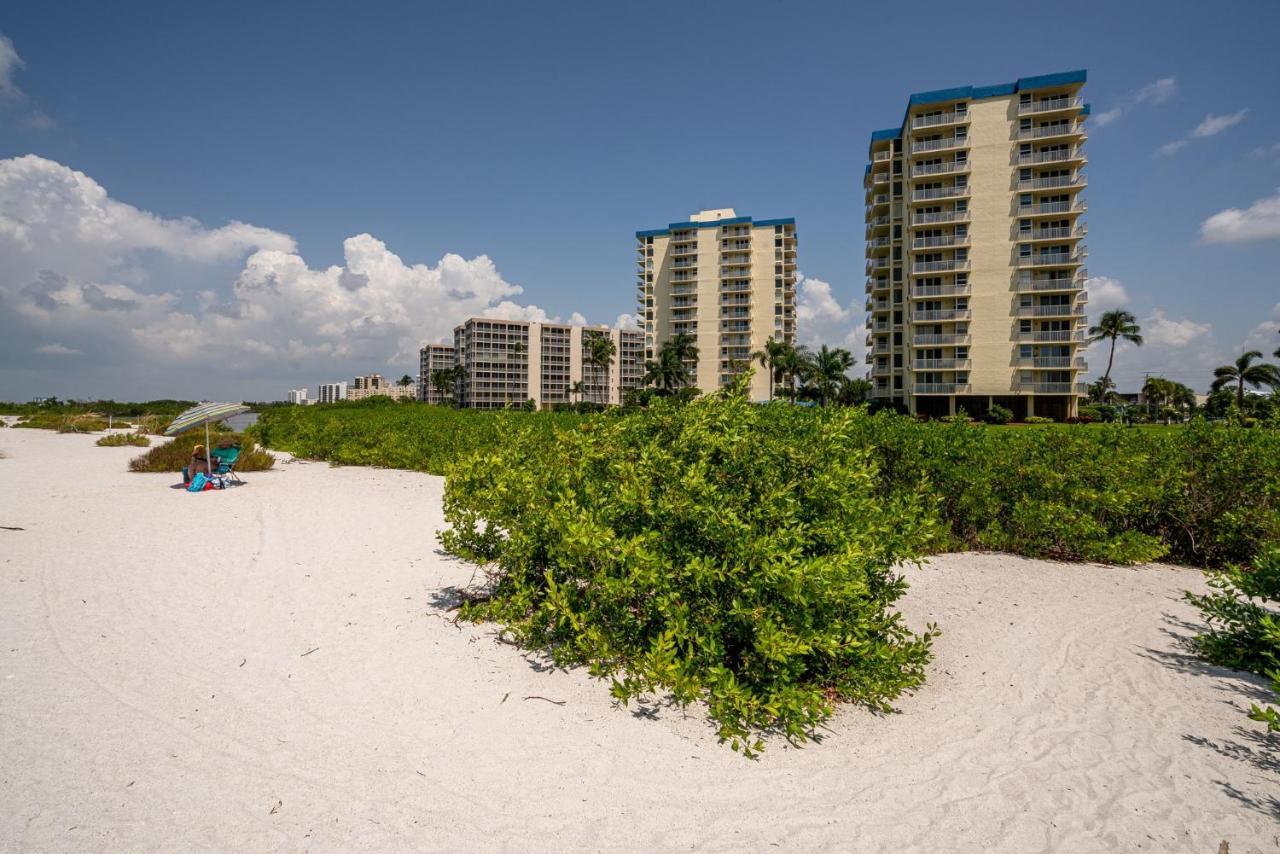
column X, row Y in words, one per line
column 542, row 136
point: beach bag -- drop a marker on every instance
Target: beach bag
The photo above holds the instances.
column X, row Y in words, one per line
column 198, row 482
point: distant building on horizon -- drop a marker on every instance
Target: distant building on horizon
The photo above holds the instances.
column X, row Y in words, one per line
column 332, row 392
column 297, row 396
column 975, row 253
column 432, row 358
column 726, row 280
column 375, row 385
column 508, row 362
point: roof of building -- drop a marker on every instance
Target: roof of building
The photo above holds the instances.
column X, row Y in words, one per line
column 737, row 220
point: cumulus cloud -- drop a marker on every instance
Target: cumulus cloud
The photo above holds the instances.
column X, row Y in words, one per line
column 627, row 321
column 112, row 280
column 1264, row 337
column 821, row 319
column 57, row 350
column 1156, row 92
column 1211, row 126
column 1105, row 294
column 1184, row 350
column 1259, row 221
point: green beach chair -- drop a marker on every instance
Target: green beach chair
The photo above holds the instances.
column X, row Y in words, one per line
column 224, row 461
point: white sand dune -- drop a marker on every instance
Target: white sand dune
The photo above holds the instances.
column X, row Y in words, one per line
column 269, row 669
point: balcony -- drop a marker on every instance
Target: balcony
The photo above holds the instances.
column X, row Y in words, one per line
column 1051, row 105
column 1053, row 388
column 1050, row 131
column 1054, row 182
column 881, row 371
column 952, row 168
column 944, row 315
column 878, row 243
column 940, row 388
column 1055, row 336
column 939, row 217
column 928, row 194
column 877, row 305
column 1052, row 259
column 881, row 221
column 926, row 291
column 939, row 266
column 934, row 340
column 949, row 142
column 940, row 242
column 880, row 199
column 874, row 264
column 1039, row 158
column 1039, row 284
column 1049, row 310
column 950, row 117
column 1054, row 363
column 1061, row 233
column 1048, row 208
column 941, row 364
column 882, row 156
column 735, row 272
column 684, row 265
column 880, row 178
column 678, row 290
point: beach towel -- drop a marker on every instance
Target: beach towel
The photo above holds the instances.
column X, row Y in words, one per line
column 198, row 482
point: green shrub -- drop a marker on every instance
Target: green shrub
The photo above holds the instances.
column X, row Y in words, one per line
column 172, row 456
column 1243, row 614
column 64, row 422
column 718, row 551
column 117, row 440
column 998, row 414
column 1037, row 419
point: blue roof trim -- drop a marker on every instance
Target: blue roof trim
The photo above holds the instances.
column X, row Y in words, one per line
column 1062, row 78
column 1086, row 110
column 716, row 223
column 887, row 133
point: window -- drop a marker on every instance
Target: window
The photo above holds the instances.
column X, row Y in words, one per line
column 1024, row 250
column 1024, row 226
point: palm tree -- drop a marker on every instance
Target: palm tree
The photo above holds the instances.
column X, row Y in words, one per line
column 772, row 358
column 1115, row 325
column 1245, row 371
column 670, row 371
column 442, row 380
column 1102, row 389
column 793, row 364
column 600, row 353
column 577, row 388
column 826, row 371
column 405, row 381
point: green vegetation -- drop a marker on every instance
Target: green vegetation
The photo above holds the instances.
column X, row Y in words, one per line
column 1114, row 326
column 65, row 422
column 118, row 440
column 719, row 551
column 172, row 456
column 104, row 408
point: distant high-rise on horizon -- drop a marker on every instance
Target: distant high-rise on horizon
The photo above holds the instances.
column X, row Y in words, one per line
column 727, row 281
column 332, row 392
column 975, row 277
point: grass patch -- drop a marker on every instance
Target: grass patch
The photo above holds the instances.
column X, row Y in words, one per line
column 64, row 422
column 120, row 440
column 172, row 456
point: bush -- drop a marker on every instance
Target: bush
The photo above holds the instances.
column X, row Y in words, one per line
column 716, row 551
column 172, row 456
column 1243, row 614
column 117, row 440
column 1037, row 419
column 998, row 414
column 62, row 422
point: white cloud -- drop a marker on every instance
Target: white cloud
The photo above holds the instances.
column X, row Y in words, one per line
column 1105, row 294
column 58, row 350
column 1214, row 125
column 821, row 319
column 627, row 321
column 1180, row 349
column 1156, row 92
column 1158, row 329
column 1272, row 150
column 1259, row 221
column 1264, row 337
column 151, row 301
column 10, row 62
column 39, row 120
column 1211, row 126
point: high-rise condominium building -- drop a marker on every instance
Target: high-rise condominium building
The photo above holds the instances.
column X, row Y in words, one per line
column 508, row 362
column 725, row 280
column 375, row 385
column 432, row 358
column 298, row 396
column 332, row 392
column 975, row 253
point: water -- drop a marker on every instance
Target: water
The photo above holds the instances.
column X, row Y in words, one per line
column 241, row 421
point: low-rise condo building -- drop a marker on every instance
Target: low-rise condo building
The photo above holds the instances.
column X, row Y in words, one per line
column 975, row 250
column 727, row 281
column 297, row 396
column 432, row 358
column 375, row 385
column 508, row 362
column 332, row 392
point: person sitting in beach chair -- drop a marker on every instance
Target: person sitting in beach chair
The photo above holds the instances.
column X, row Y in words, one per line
column 199, row 463
column 224, row 460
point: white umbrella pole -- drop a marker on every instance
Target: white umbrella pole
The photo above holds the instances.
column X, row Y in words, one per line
column 208, row 457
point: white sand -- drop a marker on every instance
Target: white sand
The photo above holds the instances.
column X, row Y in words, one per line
column 155, row 696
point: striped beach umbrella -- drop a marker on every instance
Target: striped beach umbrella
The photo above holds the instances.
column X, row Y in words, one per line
column 206, row 414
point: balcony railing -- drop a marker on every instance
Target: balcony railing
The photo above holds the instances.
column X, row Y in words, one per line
column 1072, row 207
column 1054, row 388
column 1049, row 105
column 950, row 117
column 939, row 242
column 880, row 199
column 880, row 178
column 925, row 291
column 878, row 243
column 939, row 315
column 939, row 217
column 877, row 264
column 1064, row 233
column 878, row 221
column 1052, row 259
column 1056, row 156
column 929, row 193
column 923, row 145
column 881, row 156
column 941, row 364
column 1026, row 285
column 1046, row 131
column 932, row 340
column 1049, row 310
column 939, row 168
column 1053, row 362
column 1054, row 182
column 736, row 272
column 940, row 388
column 1055, row 336
column 939, row 266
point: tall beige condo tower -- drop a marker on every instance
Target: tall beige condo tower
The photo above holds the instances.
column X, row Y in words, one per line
column 727, row 281
column 975, row 253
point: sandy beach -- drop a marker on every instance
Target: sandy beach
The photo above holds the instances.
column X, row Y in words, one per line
column 272, row 668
